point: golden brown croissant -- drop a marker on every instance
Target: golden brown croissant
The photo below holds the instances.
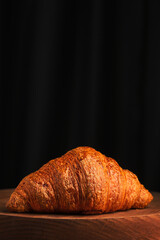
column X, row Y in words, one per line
column 81, row 181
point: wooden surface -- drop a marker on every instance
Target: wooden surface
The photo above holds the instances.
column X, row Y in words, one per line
column 131, row 224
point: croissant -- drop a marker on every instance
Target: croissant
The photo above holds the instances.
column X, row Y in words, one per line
column 81, row 181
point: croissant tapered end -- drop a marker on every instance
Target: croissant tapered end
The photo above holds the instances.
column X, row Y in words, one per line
column 144, row 198
column 17, row 203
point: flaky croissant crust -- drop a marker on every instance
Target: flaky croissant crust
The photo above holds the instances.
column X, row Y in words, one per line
column 81, row 181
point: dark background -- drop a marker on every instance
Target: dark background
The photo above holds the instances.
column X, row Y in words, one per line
column 76, row 74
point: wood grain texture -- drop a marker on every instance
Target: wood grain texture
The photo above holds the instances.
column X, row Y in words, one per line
column 126, row 225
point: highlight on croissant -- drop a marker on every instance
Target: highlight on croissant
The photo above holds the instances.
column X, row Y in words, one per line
column 82, row 181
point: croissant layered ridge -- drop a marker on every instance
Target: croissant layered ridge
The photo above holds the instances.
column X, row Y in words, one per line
column 81, row 181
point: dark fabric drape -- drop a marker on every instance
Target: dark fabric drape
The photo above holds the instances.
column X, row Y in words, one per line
column 78, row 74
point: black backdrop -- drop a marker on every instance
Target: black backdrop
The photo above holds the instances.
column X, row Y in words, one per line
column 81, row 74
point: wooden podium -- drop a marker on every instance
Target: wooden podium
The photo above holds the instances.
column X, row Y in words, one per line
column 134, row 224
